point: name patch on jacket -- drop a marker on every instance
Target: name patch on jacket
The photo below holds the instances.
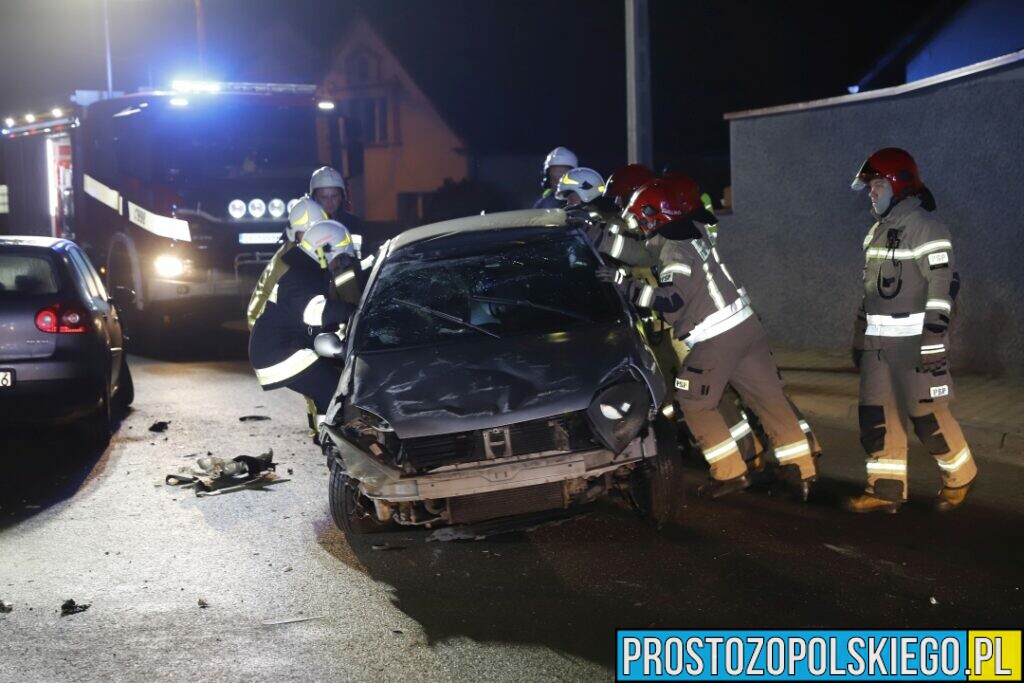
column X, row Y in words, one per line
column 938, row 258
column 703, row 249
column 939, row 392
column 682, row 384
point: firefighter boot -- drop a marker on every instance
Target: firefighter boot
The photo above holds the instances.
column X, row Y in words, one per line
column 951, row 498
column 716, row 488
column 799, row 489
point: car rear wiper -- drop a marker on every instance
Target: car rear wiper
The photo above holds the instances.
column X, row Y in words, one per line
column 447, row 316
column 530, row 304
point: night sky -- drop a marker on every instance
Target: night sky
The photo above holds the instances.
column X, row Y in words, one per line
column 510, row 77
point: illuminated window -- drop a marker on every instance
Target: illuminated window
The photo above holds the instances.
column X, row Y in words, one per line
column 4, row 206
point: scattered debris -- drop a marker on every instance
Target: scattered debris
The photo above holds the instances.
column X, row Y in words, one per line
column 253, row 418
column 160, row 426
column 933, row 601
column 843, row 550
column 5, row 607
column 211, row 476
column 291, row 620
column 397, row 631
column 70, row 607
column 203, row 604
column 480, row 531
column 386, row 546
column 290, row 471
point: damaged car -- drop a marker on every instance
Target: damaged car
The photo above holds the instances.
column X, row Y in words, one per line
column 488, row 375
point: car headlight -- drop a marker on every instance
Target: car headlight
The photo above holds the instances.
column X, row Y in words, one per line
column 169, row 266
column 618, row 413
column 236, row 209
column 257, row 207
column 276, row 208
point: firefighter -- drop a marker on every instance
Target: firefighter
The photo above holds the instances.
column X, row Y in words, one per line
column 557, row 163
column 328, row 188
column 902, row 337
column 304, row 214
column 712, row 315
column 579, row 186
column 303, row 302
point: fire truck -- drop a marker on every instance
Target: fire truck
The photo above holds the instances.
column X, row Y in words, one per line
column 180, row 196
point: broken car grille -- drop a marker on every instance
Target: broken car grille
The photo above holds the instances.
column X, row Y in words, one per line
column 564, row 433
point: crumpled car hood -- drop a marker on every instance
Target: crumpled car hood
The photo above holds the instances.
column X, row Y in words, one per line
column 487, row 383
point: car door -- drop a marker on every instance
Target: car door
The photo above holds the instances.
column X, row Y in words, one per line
column 104, row 309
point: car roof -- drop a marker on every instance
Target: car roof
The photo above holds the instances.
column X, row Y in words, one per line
column 541, row 218
column 39, row 241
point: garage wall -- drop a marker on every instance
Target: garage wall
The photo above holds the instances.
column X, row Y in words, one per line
column 795, row 236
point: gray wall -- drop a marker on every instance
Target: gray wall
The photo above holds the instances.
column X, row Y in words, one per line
column 795, row 236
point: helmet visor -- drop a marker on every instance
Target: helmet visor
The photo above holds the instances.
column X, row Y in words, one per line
column 865, row 175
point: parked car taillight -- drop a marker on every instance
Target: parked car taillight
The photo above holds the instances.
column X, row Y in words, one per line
column 62, row 319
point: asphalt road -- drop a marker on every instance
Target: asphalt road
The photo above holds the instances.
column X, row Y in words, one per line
column 103, row 529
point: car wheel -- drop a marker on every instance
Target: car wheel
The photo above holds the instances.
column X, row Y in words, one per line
column 351, row 511
column 126, row 387
column 657, row 486
column 95, row 429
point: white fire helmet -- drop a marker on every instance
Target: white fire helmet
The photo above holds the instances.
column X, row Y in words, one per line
column 325, row 176
column 560, row 156
column 326, row 241
column 585, row 182
column 304, row 214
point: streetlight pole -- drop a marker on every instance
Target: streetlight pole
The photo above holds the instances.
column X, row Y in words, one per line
column 638, row 83
column 201, row 38
column 106, row 40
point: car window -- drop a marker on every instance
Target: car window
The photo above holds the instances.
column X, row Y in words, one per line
column 28, row 274
column 494, row 283
column 93, row 275
column 84, row 275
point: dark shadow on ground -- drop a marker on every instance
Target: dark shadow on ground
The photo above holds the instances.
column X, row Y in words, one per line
column 43, row 466
column 753, row 560
column 193, row 343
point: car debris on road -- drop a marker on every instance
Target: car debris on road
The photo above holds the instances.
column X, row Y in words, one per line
column 160, row 426
column 212, row 476
column 69, row 607
column 6, row 607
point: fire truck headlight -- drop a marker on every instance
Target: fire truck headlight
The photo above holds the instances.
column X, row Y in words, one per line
column 169, row 266
column 236, row 208
column 276, row 208
column 257, row 207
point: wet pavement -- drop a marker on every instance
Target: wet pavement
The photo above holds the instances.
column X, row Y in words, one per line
column 290, row 598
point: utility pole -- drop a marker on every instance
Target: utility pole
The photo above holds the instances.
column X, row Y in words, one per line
column 106, row 40
column 638, row 83
column 201, row 38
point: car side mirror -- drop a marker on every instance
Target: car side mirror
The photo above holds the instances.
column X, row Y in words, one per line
column 123, row 296
column 329, row 345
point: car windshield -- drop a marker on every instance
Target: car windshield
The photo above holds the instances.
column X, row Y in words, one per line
column 27, row 274
column 484, row 285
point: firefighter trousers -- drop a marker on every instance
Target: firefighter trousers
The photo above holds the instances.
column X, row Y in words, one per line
column 740, row 357
column 891, row 389
column 318, row 383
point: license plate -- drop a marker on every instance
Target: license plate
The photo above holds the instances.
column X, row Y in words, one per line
column 6, row 379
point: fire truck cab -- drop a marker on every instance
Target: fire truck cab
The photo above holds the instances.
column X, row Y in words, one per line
column 182, row 195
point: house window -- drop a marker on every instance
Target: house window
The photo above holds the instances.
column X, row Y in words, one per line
column 4, row 206
column 366, row 120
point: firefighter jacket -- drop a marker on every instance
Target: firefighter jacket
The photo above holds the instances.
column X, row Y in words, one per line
column 695, row 293
column 268, row 278
column 548, row 200
column 301, row 304
column 910, row 281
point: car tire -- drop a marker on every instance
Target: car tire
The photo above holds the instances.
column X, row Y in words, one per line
column 126, row 387
column 657, row 486
column 346, row 505
column 95, row 429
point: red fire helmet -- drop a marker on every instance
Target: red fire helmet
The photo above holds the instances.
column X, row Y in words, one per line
column 896, row 166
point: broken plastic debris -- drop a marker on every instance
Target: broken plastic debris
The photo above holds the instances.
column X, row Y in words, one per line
column 70, row 607
column 933, row 601
column 253, row 418
column 203, row 604
column 160, row 426
column 5, row 607
column 291, row 620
